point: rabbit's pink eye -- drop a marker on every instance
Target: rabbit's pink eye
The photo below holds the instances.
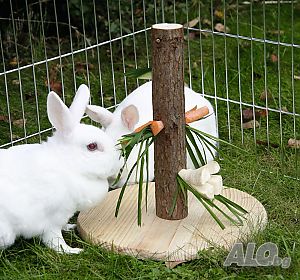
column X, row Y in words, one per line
column 92, row 146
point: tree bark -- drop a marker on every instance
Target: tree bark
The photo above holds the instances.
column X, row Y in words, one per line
column 168, row 106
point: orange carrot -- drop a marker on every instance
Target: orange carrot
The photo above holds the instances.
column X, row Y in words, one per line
column 193, row 109
column 195, row 115
column 156, row 127
column 142, row 126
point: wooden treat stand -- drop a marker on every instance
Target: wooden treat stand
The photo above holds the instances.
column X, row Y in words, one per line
column 178, row 237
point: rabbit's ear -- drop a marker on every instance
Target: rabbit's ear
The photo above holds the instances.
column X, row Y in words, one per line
column 80, row 102
column 130, row 116
column 58, row 113
column 99, row 115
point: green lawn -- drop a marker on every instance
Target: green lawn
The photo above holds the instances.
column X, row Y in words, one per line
column 261, row 170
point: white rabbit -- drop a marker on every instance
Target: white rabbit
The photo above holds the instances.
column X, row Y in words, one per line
column 43, row 185
column 135, row 110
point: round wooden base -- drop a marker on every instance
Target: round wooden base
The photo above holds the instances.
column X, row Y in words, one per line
column 171, row 241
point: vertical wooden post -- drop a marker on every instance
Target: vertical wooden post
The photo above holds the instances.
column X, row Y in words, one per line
column 168, row 106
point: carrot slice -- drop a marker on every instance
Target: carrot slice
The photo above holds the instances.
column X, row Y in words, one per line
column 195, row 115
column 156, row 127
column 190, row 116
column 191, row 110
column 143, row 126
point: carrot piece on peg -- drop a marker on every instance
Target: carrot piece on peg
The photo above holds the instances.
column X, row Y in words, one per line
column 156, row 127
column 196, row 114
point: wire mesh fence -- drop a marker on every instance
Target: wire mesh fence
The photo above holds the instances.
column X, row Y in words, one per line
column 241, row 55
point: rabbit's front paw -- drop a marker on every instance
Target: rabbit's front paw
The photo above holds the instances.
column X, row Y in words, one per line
column 55, row 241
column 7, row 236
column 70, row 250
column 69, row 227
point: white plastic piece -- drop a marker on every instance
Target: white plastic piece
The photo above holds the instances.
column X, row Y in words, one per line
column 213, row 167
column 217, row 182
column 202, row 179
column 207, row 190
column 195, row 177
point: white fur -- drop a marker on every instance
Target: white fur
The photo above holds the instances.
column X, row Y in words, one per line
column 43, row 185
column 141, row 98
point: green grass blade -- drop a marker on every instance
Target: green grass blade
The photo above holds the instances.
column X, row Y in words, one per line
column 184, row 192
column 135, row 139
column 217, row 139
column 192, row 156
column 140, row 73
column 234, row 211
column 147, row 174
column 116, row 181
column 140, row 193
column 239, row 222
column 194, row 144
column 210, row 203
column 127, row 179
column 230, row 202
column 171, row 210
column 237, row 214
column 204, row 142
column 213, row 205
column 138, row 159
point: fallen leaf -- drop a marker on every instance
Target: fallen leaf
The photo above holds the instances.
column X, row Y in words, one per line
column 294, row 143
column 221, row 28
column 247, row 114
column 3, row 118
column 192, row 23
column 245, row 44
column 53, row 73
column 284, row 109
column 266, row 94
column 81, row 67
column 274, row 57
column 191, row 36
column 250, row 124
column 109, row 98
column 205, row 34
column 206, row 22
column 231, row 7
column 13, row 62
column 219, row 14
column 19, row 123
column 261, row 113
column 265, row 143
column 56, row 86
column 15, row 82
column 296, row 77
column 275, row 32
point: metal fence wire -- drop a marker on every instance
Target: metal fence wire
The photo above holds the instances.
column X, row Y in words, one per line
column 241, row 55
